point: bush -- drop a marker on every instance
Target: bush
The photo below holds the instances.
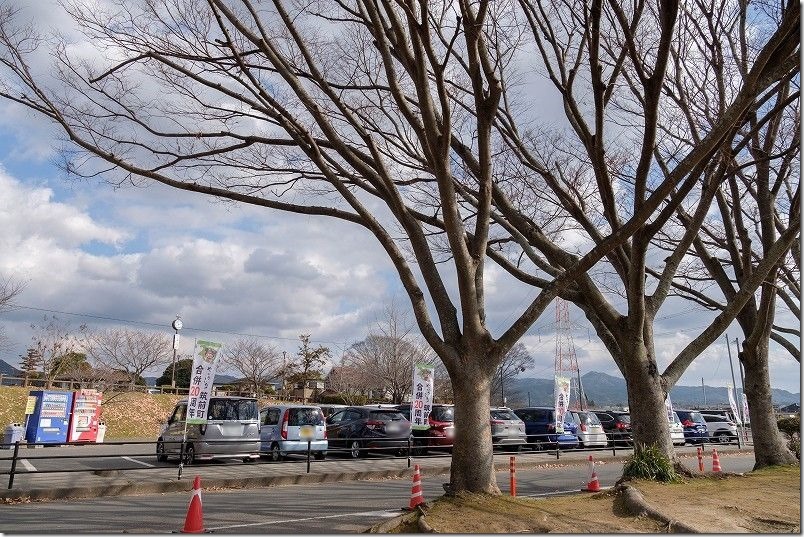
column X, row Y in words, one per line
column 650, row 463
column 341, row 399
column 791, row 428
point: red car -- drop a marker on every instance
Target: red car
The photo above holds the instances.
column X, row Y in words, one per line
column 441, row 433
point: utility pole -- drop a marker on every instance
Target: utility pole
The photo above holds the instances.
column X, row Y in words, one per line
column 703, row 387
column 177, row 324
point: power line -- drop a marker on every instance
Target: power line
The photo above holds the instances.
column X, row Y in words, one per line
column 158, row 325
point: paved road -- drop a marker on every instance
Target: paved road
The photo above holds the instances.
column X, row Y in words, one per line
column 322, row 508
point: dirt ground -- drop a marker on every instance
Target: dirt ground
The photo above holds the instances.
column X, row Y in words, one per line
column 766, row 501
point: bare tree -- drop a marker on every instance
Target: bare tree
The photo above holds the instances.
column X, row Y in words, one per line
column 350, row 381
column 53, row 341
column 625, row 74
column 515, row 361
column 131, row 351
column 754, row 208
column 9, row 289
column 385, row 120
column 257, row 363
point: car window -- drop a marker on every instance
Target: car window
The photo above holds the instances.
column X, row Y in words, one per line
column 442, row 413
column 305, row 416
column 503, row 415
column 405, row 411
column 696, row 417
column 542, row 415
column 676, row 419
column 352, row 415
column 337, row 417
column 624, row 418
column 386, row 415
column 233, row 409
column 271, row 416
column 179, row 413
column 590, row 418
column 524, row 415
column 572, row 417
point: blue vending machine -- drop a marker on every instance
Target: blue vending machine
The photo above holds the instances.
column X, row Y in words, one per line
column 50, row 420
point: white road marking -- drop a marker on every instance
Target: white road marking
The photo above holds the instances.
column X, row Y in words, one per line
column 28, row 466
column 138, row 462
column 383, row 514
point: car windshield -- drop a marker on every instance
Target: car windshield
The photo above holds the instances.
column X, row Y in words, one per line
column 696, row 417
column 503, row 415
column 443, row 413
column 588, row 418
column 386, row 415
column 305, row 416
column 233, row 409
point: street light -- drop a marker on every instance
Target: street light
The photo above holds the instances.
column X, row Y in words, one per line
column 177, row 324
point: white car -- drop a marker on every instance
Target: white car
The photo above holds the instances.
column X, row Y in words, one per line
column 720, row 429
column 677, row 431
column 590, row 431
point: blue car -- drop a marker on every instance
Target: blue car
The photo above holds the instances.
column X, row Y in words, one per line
column 541, row 430
column 695, row 430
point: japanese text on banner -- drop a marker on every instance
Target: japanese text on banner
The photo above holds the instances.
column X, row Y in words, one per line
column 562, row 395
column 201, row 379
column 422, row 396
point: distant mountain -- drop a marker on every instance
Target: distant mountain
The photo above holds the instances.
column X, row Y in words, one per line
column 608, row 390
column 8, row 370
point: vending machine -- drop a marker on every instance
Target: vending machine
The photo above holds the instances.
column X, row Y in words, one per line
column 50, row 419
column 85, row 416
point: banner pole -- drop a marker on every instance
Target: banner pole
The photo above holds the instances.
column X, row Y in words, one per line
column 184, row 435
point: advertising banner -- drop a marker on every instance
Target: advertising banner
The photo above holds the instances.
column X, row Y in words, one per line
column 562, row 397
column 668, row 405
column 733, row 404
column 422, row 396
column 202, row 376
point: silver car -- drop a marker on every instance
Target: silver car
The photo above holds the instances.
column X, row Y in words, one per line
column 285, row 429
column 232, row 431
column 507, row 430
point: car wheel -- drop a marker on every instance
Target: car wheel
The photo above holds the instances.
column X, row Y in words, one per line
column 276, row 453
column 320, row 456
column 189, row 455
column 354, row 449
column 161, row 456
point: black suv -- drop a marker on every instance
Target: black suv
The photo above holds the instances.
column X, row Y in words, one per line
column 617, row 425
column 363, row 428
column 441, row 433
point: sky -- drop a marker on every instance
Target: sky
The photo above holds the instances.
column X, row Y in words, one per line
column 136, row 257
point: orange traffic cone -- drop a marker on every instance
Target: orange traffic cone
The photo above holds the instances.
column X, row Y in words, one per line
column 715, row 461
column 594, row 484
column 416, row 496
column 194, row 522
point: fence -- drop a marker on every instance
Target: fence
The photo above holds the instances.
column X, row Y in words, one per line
column 401, row 447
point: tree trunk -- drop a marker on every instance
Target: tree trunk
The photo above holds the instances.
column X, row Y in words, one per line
column 769, row 445
column 472, row 468
column 646, row 395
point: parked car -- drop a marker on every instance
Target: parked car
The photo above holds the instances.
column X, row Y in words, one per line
column 677, row 431
column 441, row 433
column 590, row 431
column 281, row 428
column 232, row 431
column 507, row 429
column 361, row 428
column 540, row 428
column 617, row 425
column 695, row 430
column 720, row 430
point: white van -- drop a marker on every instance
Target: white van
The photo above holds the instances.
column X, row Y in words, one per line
column 232, row 431
column 285, row 429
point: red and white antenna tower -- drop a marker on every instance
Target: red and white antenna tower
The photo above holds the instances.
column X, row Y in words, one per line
column 566, row 362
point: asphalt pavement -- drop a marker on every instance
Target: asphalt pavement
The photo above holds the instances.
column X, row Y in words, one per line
column 329, row 507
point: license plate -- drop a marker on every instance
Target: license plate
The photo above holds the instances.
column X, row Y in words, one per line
column 307, row 432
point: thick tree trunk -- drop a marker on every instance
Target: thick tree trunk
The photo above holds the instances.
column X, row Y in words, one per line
column 769, row 445
column 646, row 405
column 472, row 467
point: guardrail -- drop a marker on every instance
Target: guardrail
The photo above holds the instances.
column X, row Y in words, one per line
column 411, row 446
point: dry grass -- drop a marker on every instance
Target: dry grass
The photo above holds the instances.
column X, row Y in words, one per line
column 766, row 501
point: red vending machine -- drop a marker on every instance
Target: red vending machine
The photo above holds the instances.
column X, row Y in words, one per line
column 85, row 416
